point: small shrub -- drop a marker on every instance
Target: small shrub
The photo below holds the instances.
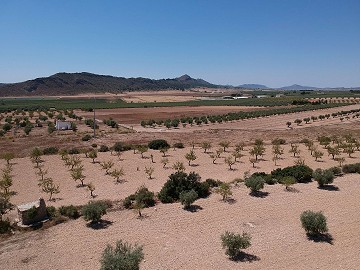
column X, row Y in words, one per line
column 213, row 183
column 255, row 183
column 93, row 211
column 94, row 145
column 70, row 211
column 5, row 226
column 123, row 257
column 51, row 211
column 351, row 168
column 86, row 138
column 233, row 243
column 52, row 150
column 323, row 177
column 103, row 148
column 313, row 222
column 336, row 170
column 178, row 145
column 120, row 146
column 74, row 151
column 141, row 196
column 188, row 197
column 158, row 144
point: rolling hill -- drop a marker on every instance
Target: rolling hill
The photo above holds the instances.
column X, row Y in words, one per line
column 80, row 83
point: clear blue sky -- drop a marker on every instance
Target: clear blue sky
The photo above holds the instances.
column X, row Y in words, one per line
column 272, row 42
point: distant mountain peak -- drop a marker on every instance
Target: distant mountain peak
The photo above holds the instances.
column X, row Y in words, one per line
column 297, row 87
column 184, row 77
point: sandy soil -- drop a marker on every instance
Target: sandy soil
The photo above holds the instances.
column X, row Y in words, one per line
column 177, row 239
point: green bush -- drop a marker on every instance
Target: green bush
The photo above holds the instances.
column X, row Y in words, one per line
column 123, row 257
column 86, row 138
column 51, row 211
column 103, row 148
column 5, row 226
column 120, row 146
column 32, row 213
column 323, row 177
column 50, row 150
column 278, row 141
column 269, row 179
column 336, row 170
column 302, row 173
column 158, row 144
column 93, row 145
column 188, row 197
column 141, row 196
column 313, row 222
column 255, row 183
column 74, row 151
column 70, row 211
column 351, row 168
column 179, row 182
column 178, row 145
column 93, row 211
column 213, row 183
column 233, row 243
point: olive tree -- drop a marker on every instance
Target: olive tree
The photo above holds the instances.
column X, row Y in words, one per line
column 234, row 243
column 314, row 223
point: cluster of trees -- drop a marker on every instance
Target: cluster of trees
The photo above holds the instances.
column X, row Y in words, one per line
column 27, row 120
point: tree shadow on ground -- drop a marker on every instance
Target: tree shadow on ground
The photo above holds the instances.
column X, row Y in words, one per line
column 329, row 188
column 102, row 224
column 230, row 200
column 120, row 181
column 259, row 194
column 292, row 189
column 322, row 237
column 194, row 165
column 193, row 208
column 245, row 257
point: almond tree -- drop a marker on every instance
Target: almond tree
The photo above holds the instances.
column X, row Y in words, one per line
column 77, row 174
column 349, row 149
column 333, row 151
column 93, row 155
column 236, row 155
column 178, row 166
column 91, row 188
column 318, row 154
column 107, row 165
column 35, row 156
column 224, row 190
column 257, row 150
column 277, row 151
column 206, row 146
column 6, row 182
column 48, row 186
column 8, row 157
column 164, row 150
column 294, row 149
column 239, row 146
column 74, row 161
column 164, row 161
column 229, row 161
column 190, row 156
column 142, row 149
column 149, row 171
column 224, row 145
column 117, row 173
column 253, row 161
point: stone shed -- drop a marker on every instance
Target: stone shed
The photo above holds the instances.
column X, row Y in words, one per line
column 32, row 212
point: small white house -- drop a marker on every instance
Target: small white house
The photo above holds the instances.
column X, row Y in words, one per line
column 63, row 125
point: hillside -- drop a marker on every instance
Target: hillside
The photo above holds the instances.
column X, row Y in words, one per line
column 80, row 83
column 297, row 87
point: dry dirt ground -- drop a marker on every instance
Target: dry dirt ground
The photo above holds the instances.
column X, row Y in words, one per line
column 177, row 239
column 133, row 116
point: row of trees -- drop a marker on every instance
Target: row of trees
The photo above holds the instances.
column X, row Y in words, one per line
column 234, row 116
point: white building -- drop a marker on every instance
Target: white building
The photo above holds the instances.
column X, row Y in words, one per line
column 63, row 125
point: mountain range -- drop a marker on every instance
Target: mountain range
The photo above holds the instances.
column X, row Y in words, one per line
column 80, row 83
column 84, row 82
